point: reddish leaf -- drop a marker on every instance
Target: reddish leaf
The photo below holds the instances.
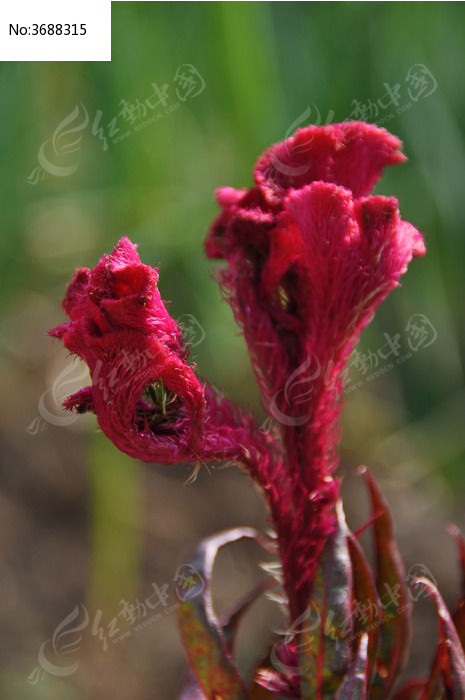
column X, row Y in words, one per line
column 451, row 656
column 455, row 532
column 366, row 613
column 393, row 594
column 459, row 621
column 229, row 624
column 326, row 630
column 209, row 656
column 433, row 687
column 459, row 614
column 191, row 689
column 411, row 690
column 354, row 686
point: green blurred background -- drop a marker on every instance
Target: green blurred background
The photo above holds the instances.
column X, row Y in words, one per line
column 83, row 525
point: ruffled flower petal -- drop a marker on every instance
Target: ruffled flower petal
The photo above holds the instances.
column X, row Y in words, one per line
column 352, row 154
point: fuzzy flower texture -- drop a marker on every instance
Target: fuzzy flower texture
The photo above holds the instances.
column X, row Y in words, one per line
column 308, row 255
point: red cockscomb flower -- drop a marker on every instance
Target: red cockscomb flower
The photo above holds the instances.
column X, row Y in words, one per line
column 309, row 257
column 145, row 394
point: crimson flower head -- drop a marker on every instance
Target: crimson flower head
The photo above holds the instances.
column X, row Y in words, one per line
column 309, row 257
column 144, row 393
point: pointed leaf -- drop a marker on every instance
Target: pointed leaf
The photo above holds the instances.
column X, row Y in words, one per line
column 366, row 613
column 455, row 532
column 210, row 659
column 433, row 688
column 459, row 614
column 326, row 628
column 459, row 621
column 451, row 656
column 354, row 686
column 395, row 629
column 229, row 625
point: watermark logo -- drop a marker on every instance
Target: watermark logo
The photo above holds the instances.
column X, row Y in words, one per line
column 289, row 406
column 66, row 640
column 54, row 154
column 51, row 411
column 311, row 114
column 188, row 81
column 374, row 362
column 191, row 329
column 59, row 156
column 420, row 83
column 286, row 405
column 133, row 616
column 415, row 572
column 189, row 583
column 421, row 332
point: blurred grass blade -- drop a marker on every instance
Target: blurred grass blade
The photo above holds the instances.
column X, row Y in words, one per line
column 326, row 631
column 395, row 630
column 354, row 685
column 116, row 496
column 252, row 68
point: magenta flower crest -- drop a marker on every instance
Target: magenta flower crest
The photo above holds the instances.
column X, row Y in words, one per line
column 144, row 392
column 309, row 256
